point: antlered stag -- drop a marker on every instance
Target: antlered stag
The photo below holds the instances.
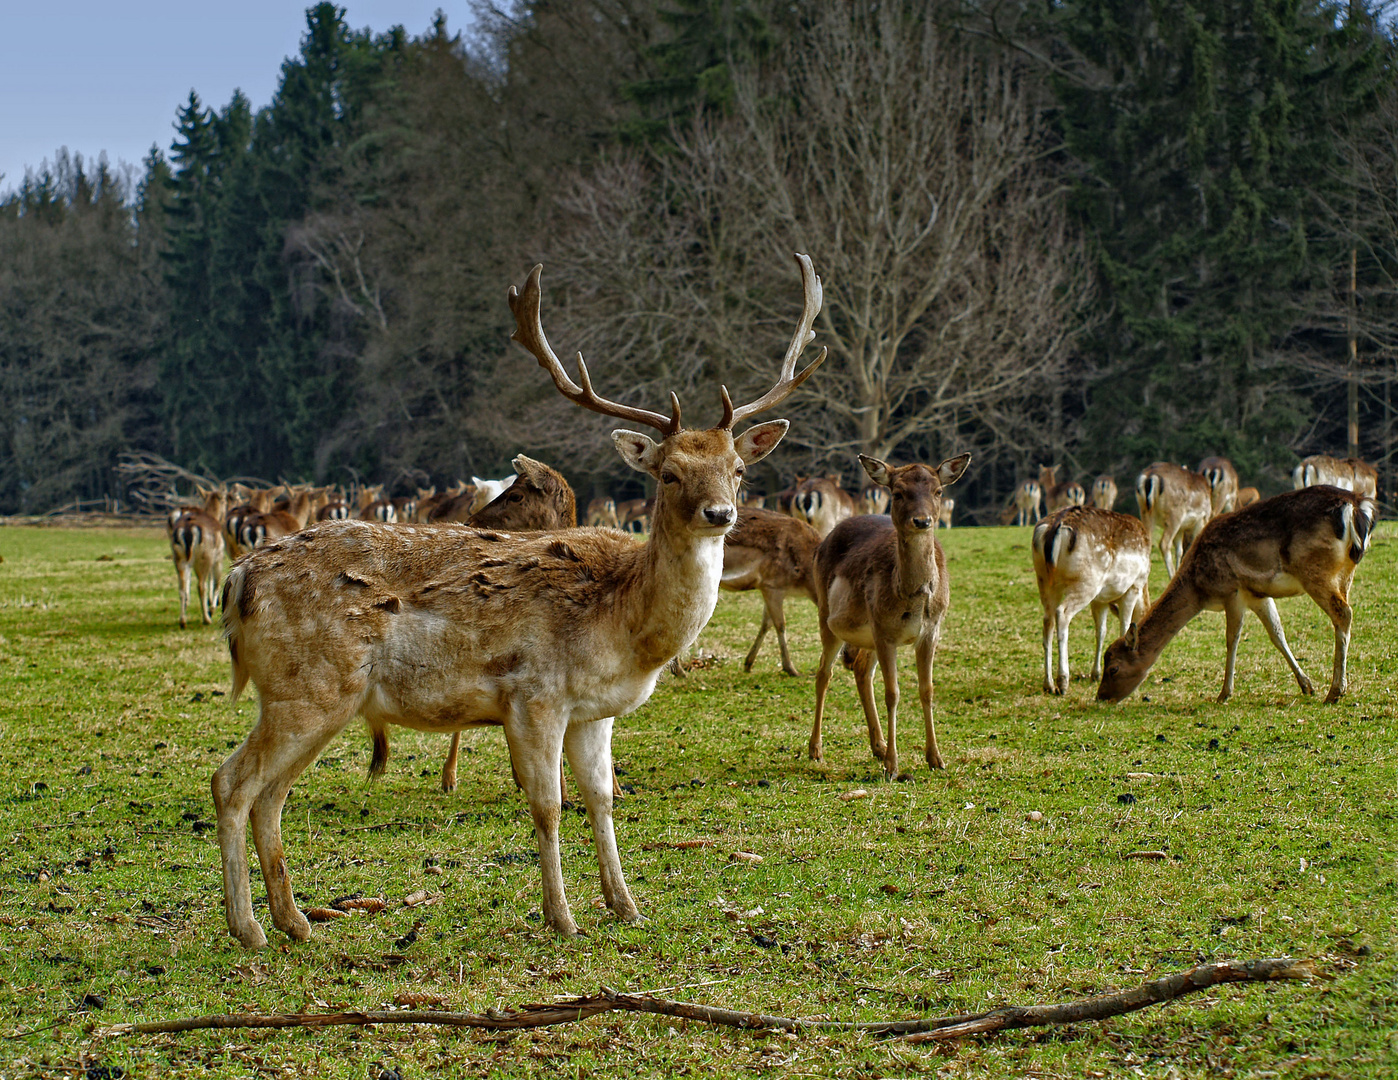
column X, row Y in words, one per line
column 881, row 582
column 1302, row 541
column 441, row 628
column 1085, row 556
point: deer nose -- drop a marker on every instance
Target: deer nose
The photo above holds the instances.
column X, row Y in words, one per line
column 922, row 523
column 719, row 515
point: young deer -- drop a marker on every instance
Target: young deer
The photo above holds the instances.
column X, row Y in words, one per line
column 774, row 553
column 1351, row 474
column 1083, row 556
column 881, row 582
column 822, row 503
column 549, row 636
column 1303, row 541
column 1058, row 494
column 1103, row 493
column 196, row 544
column 1222, row 479
column 1027, row 502
column 1179, row 501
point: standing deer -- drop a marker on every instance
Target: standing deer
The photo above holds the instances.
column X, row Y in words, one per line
column 1084, row 555
column 1058, row 494
column 944, row 517
column 258, row 529
column 822, row 503
column 873, row 499
column 550, row 636
column 1351, row 474
column 881, row 582
column 1026, row 503
column 773, row 553
column 196, row 545
column 1104, row 493
column 1179, row 501
column 1223, row 483
column 257, row 501
column 1302, row 541
column 602, row 511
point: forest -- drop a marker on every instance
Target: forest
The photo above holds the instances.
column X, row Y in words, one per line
column 1091, row 233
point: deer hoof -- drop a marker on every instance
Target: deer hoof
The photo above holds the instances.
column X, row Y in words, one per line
column 1335, row 694
column 1309, row 690
column 251, row 937
column 934, row 760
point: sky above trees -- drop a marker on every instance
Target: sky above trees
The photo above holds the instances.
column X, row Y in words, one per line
column 96, row 76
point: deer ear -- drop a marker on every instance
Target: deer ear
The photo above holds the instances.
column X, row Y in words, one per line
column 639, row 451
column 877, row 470
column 757, row 442
column 1133, row 637
column 951, row 470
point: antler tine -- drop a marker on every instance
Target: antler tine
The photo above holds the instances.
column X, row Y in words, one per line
column 529, row 332
column 788, row 380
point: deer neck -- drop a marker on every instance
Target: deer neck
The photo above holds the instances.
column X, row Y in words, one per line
column 676, row 592
column 1179, row 603
column 916, row 564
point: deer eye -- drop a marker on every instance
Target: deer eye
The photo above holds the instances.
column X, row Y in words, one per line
column 669, row 478
column 516, row 496
column 740, row 470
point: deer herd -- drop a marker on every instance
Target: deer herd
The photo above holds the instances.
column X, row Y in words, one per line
column 487, row 605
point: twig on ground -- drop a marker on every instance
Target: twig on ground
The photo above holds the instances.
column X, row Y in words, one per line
column 1167, row 988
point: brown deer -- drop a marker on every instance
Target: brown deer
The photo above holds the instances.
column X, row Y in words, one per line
column 1104, row 492
column 822, row 503
column 258, row 529
column 374, row 507
column 254, row 501
column 196, row 545
column 1026, row 503
column 873, row 499
column 944, row 517
column 1223, row 483
column 1058, row 494
column 1302, row 541
column 1247, row 496
column 1351, row 474
column 634, row 512
column 881, row 582
column 549, row 635
column 1177, row 499
column 1086, row 556
column 602, row 511
column 773, row 553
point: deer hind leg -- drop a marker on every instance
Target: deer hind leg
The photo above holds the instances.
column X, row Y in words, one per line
column 1167, row 546
column 829, row 646
column 1101, row 612
column 1063, row 618
column 888, row 662
column 535, row 737
column 1050, row 683
column 773, row 602
column 863, row 665
column 761, row 633
column 1265, row 608
column 253, row 784
column 182, row 572
column 926, row 650
column 589, row 747
column 1233, row 611
column 449, row 766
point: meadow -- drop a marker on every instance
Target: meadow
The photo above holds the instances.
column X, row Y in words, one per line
column 1003, row 880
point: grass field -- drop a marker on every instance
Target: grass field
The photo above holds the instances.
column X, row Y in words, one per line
column 931, row 896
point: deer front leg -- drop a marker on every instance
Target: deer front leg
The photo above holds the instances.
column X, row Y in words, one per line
column 773, row 602
column 449, row 766
column 829, row 646
column 926, row 650
column 751, row 657
column 1265, row 608
column 589, row 748
column 535, row 736
column 888, row 663
column 1233, row 611
column 1050, row 682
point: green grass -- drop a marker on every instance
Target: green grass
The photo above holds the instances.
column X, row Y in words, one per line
column 930, row 896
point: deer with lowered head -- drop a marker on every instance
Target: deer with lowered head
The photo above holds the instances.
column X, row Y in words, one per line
column 1104, row 493
column 196, row 545
column 881, row 583
column 774, row 554
column 1179, row 501
column 549, row 635
column 1059, row 493
column 1351, row 474
column 1306, row 541
column 1085, row 556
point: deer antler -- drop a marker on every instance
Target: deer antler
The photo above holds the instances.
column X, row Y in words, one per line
column 529, row 332
column 787, row 381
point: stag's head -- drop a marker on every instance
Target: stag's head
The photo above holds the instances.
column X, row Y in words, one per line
column 697, row 473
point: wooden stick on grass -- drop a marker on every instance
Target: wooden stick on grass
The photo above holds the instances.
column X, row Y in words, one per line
column 1167, row 988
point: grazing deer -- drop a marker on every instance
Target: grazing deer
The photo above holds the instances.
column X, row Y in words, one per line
column 1058, row 494
column 1026, row 503
column 1223, row 483
column 1246, row 497
column 196, row 545
column 1351, row 474
column 1104, row 492
column 602, row 511
column 374, row 507
column 1086, row 556
column 1302, row 541
column 635, row 512
column 773, row 553
column 1179, row 501
column 944, row 518
column 822, row 503
column 335, row 509
column 881, row 582
column 873, row 499
column 549, row 636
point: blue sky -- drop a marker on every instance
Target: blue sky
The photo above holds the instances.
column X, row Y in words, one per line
column 95, row 75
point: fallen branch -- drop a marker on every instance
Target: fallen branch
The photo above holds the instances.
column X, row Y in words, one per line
column 1156, row 992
